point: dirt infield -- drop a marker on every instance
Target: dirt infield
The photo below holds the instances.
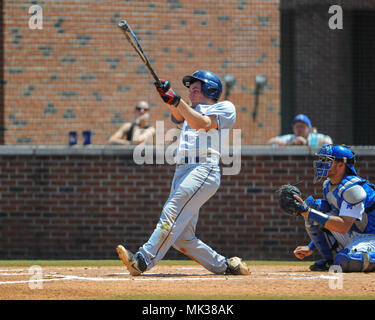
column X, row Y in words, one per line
column 183, row 282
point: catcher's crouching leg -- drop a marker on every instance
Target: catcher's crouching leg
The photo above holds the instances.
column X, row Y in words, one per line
column 326, row 245
column 355, row 261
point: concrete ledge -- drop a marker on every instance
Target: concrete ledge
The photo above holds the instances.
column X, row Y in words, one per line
column 65, row 150
column 247, row 150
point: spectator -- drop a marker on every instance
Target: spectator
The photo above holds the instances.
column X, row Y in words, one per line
column 303, row 135
column 135, row 132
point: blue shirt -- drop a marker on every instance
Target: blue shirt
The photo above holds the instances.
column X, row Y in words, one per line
column 353, row 197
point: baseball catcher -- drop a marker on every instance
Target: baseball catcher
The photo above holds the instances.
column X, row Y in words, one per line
column 342, row 224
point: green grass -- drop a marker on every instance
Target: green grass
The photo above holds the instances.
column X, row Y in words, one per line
column 59, row 263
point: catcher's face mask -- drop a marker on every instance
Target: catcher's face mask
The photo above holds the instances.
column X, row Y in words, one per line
column 329, row 153
column 322, row 166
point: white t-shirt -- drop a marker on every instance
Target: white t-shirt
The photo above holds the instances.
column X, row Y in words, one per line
column 202, row 144
column 287, row 138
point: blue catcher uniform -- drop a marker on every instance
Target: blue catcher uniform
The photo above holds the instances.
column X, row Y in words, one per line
column 352, row 197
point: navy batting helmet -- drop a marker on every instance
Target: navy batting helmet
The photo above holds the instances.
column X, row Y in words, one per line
column 211, row 84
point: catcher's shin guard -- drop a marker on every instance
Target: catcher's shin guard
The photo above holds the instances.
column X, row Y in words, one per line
column 355, row 261
column 323, row 241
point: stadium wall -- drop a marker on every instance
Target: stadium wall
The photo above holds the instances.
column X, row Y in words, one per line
column 77, row 203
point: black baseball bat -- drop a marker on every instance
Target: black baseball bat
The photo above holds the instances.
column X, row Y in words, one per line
column 132, row 38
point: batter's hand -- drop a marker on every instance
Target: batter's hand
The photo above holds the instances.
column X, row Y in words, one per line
column 167, row 94
column 302, row 252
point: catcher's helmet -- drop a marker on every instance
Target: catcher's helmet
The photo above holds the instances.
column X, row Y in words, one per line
column 211, row 84
column 329, row 153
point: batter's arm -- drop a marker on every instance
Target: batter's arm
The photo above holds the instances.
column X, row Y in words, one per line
column 195, row 119
column 175, row 113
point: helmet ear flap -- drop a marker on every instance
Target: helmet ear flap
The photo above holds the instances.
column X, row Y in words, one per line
column 210, row 90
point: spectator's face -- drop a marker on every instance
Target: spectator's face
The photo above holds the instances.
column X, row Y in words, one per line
column 301, row 129
column 141, row 109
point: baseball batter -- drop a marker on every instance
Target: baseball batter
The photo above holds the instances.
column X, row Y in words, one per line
column 342, row 225
column 204, row 125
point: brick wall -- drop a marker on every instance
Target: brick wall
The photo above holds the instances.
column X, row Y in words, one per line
column 80, row 203
column 79, row 72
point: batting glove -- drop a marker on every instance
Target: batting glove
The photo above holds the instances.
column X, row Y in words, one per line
column 167, row 94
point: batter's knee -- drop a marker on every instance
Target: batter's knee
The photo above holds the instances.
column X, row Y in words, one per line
column 355, row 261
column 182, row 244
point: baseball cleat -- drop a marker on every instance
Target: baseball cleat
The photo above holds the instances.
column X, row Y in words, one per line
column 134, row 264
column 235, row 266
column 321, row 265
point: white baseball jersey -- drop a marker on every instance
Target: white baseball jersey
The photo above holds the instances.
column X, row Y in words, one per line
column 194, row 183
column 206, row 145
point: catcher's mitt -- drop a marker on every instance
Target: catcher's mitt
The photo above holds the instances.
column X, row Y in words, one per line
column 287, row 202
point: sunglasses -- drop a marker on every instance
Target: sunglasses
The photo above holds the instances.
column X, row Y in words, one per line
column 140, row 109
